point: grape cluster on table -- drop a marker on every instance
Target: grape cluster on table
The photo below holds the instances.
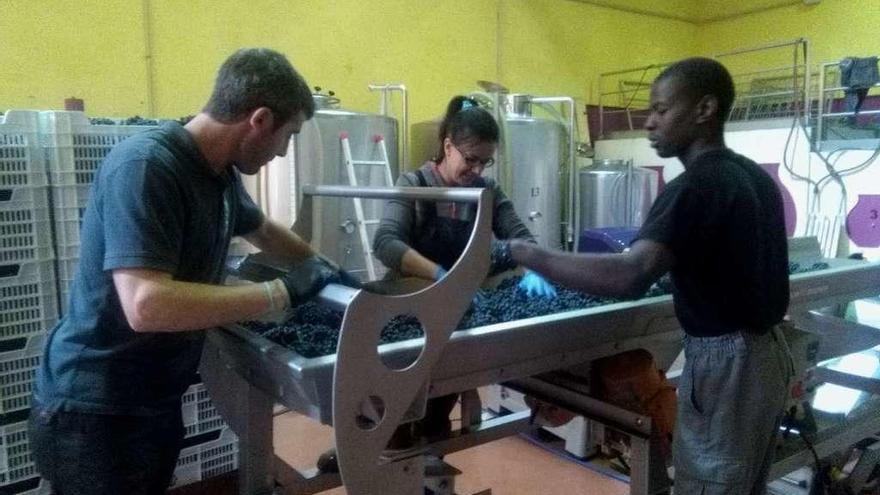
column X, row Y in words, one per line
column 135, row 120
column 312, row 330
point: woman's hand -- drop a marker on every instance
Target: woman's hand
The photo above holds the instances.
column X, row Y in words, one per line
column 535, row 285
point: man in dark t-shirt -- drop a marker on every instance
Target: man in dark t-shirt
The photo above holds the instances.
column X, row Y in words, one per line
column 106, row 415
column 718, row 228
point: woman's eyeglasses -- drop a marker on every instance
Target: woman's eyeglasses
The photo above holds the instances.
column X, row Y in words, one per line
column 475, row 161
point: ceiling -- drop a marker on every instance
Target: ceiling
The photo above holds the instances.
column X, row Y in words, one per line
column 695, row 11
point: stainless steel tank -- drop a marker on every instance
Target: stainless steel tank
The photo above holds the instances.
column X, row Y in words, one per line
column 533, row 167
column 613, row 193
column 319, row 160
column 533, row 174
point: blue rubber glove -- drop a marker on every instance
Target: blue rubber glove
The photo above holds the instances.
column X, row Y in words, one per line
column 535, row 285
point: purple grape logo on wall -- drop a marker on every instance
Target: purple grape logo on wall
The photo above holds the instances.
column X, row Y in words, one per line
column 863, row 221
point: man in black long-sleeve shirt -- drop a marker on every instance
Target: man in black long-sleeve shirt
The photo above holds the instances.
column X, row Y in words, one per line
column 719, row 229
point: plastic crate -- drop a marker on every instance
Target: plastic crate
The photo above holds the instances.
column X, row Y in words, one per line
column 74, row 148
column 69, row 205
column 206, row 460
column 25, row 229
column 23, row 195
column 16, row 462
column 199, row 414
column 17, row 372
column 33, row 486
column 21, row 157
column 28, row 301
column 66, row 272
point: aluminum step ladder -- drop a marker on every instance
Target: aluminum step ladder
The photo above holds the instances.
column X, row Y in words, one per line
column 362, row 221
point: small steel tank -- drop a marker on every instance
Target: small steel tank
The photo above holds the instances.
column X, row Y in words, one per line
column 319, row 160
column 535, row 174
column 613, row 193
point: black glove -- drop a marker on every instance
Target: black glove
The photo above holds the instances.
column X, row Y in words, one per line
column 500, row 259
column 350, row 280
column 345, row 278
column 308, row 277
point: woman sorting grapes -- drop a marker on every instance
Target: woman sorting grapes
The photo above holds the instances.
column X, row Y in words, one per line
column 425, row 238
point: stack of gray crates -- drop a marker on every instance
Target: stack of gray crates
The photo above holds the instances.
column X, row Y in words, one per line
column 48, row 161
column 28, row 292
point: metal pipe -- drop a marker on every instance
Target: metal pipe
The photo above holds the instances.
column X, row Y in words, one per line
column 637, row 84
column 808, row 100
column 842, row 88
column 459, row 194
column 571, row 159
column 621, row 92
column 794, row 85
column 624, row 71
column 851, row 114
column 764, row 71
column 774, row 93
column 760, row 48
column 629, row 211
column 404, row 139
column 624, row 111
column 148, row 59
column 820, row 116
column 601, row 110
column 578, row 402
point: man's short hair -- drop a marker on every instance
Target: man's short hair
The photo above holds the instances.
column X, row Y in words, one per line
column 699, row 77
column 259, row 77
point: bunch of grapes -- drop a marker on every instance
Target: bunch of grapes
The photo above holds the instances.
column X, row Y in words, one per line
column 138, row 120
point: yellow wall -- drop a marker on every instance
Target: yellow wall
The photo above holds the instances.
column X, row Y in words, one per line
column 91, row 49
column 835, row 29
column 341, row 46
column 557, row 47
column 95, row 49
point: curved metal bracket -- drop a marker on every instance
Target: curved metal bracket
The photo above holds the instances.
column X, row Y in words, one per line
column 369, row 399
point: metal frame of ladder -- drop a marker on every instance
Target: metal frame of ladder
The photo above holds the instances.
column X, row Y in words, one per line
column 362, row 222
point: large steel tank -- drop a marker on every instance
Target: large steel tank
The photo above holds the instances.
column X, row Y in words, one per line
column 534, row 165
column 613, row 193
column 319, row 159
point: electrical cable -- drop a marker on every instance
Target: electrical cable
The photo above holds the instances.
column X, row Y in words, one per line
column 832, row 175
column 811, row 448
column 788, row 422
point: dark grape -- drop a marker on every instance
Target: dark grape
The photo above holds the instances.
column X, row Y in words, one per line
column 138, row 120
column 313, row 330
column 102, row 121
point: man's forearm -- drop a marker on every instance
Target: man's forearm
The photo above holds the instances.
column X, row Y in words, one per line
column 280, row 242
column 156, row 303
column 414, row 264
column 609, row 275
